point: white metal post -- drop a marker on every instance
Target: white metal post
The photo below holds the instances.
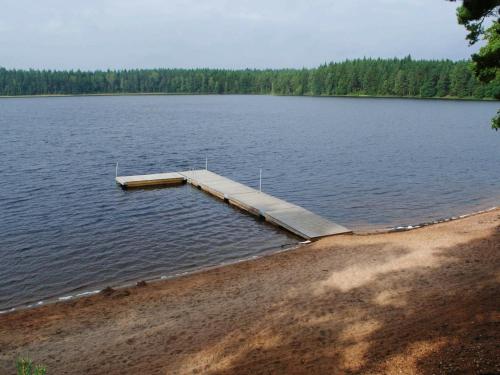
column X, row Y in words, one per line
column 116, row 170
column 206, row 163
column 260, row 179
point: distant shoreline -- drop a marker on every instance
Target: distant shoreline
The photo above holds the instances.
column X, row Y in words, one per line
column 445, row 98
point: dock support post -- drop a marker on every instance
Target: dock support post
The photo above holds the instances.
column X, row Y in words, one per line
column 116, row 170
column 260, row 179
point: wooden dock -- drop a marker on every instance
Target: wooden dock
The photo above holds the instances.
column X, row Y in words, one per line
column 286, row 215
column 151, row 180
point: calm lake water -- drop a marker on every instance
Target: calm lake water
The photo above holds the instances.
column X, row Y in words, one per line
column 66, row 228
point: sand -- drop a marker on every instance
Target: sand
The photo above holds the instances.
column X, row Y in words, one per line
column 426, row 301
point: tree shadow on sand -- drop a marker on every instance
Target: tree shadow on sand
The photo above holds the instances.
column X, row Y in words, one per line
column 398, row 313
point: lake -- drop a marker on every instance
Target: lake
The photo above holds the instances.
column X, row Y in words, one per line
column 66, row 228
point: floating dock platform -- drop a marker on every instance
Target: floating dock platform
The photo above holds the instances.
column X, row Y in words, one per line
column 157, row 179
column 293, row 218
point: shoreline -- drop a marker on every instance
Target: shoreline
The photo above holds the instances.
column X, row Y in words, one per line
column 82, row 293
column 360, row 96
column 414, row 302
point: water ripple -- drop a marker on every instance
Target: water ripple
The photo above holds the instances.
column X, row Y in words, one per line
column 66, row 228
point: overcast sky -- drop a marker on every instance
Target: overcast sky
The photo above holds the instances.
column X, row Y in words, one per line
column 101, row 34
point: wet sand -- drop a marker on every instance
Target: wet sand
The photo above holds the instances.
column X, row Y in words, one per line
column 426, row 301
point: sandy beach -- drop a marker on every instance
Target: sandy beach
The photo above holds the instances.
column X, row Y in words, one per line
column 425, row 301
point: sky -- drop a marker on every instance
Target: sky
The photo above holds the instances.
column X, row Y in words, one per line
column 233, row 34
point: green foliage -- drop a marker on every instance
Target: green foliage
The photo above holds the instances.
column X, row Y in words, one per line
column 487, row 61
column 472, row 15
column 495, row 122
column 376, row 77
column 486, row 64
column 25, row 367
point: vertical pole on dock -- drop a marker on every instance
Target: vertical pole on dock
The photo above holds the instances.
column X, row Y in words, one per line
column 206, row 163
column 116, row 170
column 260, row 179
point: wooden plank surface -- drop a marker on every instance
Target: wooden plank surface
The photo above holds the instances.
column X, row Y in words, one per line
column 289, row 216
column 215, row 184
column 304, row 223
column 258, row 203
column 294, row 218
column 150, row 179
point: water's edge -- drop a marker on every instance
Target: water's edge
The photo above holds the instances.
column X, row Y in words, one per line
column 153, row 279
column 445, row 98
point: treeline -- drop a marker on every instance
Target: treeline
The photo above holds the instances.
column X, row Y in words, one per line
column 378, row 77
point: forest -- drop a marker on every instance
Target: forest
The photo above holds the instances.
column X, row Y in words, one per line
column 404, row 77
